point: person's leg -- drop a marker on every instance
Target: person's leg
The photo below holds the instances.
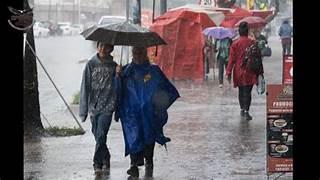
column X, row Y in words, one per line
column 241, row 99
column 289, row 47
column 221, row 68
column 225, row 65
column 283, row 47
column 100, row 127
column 207, row 65
column 134, row 159
column 247, row 101
column 148, row 154
column 105, row 126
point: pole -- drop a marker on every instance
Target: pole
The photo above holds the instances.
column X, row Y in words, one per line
column 65, row 102
column 153, row 7
column 136, row 12
column 121, row 55
column 56, row 13
column 79, row 9
column 139, row 11
column 163, row 6
column 127, row 10
column 49, row 14
column 73, row 10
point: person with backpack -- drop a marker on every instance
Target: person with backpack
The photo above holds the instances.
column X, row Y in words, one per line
column 244, row 67
column 222, row 49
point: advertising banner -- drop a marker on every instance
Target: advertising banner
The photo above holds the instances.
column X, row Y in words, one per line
column 287, row 77
column 279, row 128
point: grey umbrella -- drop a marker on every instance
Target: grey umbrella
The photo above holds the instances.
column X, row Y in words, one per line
column 123, row 33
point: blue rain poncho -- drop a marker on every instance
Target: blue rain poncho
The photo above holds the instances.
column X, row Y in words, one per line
column 146, row 94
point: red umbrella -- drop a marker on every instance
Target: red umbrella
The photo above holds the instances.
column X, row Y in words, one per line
column 253, row 22
column 229, row 23
column 261, row 13
column 238, row 13
column 232, row 18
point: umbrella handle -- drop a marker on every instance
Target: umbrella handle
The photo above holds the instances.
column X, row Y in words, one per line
column 156, row 53
column 121, row 55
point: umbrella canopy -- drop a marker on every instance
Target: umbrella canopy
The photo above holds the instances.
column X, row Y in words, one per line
column 182, row 58
column 216, row 16
column 234, row 16
column 262, row 13
column 253, row 22
column 123, row 33
column 237, row 13
column 188, row 15
column 219, row 32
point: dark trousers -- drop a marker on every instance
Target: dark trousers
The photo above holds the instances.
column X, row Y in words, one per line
column 100, row 127
column 286, row 46
column 245, row 97
column 222, row 65
column 147, row 154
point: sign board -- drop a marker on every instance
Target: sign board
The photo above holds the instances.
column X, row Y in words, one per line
column 287, row 77
column 279, row 128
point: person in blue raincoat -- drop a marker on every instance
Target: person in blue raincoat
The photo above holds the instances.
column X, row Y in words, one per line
column 146, row 96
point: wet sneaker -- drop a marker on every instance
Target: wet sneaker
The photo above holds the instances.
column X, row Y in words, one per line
column 106, row 165
column 149, row 171
column 247, row 116
column 242, row 112
column 97, row 168
column 140, row 162
column 133, row 171
column 149, row 164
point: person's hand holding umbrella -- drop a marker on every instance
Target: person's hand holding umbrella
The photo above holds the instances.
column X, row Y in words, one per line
column 118, row 70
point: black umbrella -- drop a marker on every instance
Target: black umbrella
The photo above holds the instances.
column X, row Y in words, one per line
column 123, row 33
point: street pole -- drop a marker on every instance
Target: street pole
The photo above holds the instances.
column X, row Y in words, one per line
column 153, row 7
column 163, row 6
column 56, row 13
column 79, row 9
column 49, row 14
column 73, row 12
column 127, row 18
column 136, row 12
column 127, row 10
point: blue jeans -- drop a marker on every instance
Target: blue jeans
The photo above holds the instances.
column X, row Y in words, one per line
column 100, row 127
column 286, row 46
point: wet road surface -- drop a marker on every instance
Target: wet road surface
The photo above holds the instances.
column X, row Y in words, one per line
column 209, row 140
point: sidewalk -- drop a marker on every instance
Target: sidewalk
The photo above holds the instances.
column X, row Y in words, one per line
column 209, row 140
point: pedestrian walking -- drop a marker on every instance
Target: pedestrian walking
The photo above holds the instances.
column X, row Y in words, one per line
column 98, row 97
column 243, row 78
column 146, row 94
column 222, row 48
column 285, row 33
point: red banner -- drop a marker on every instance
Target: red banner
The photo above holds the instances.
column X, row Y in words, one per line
column 287, row 77
column 279, row 128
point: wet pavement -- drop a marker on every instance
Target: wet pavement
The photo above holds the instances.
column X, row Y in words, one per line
column 209, row 140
